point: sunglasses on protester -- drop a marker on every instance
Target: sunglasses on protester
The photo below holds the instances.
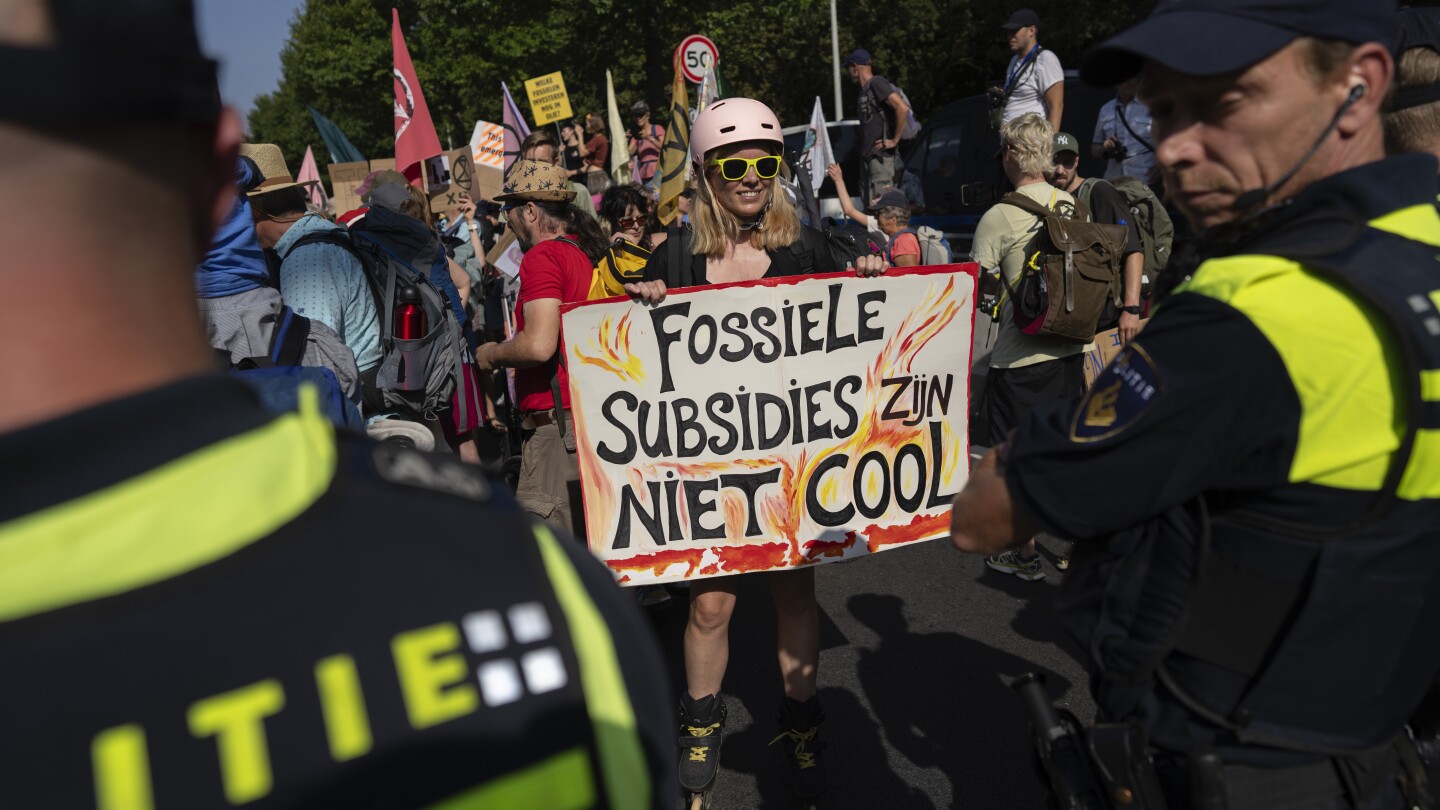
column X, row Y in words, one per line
column 735, row 168
column 627, row 223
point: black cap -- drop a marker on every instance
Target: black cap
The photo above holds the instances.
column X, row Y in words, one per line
column 118, row 60
column 1418, row 28
column 1213, row 37
column 1024, row 18
column 890, row 197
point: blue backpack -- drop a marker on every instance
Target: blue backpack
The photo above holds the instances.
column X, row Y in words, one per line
column 278, row 376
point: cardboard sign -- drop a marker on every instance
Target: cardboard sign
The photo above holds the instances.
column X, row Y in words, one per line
column 548, row 100
column 344, row 177
column 448, row 177
column 771, row 424
column 1104, row 348
column 506, row 254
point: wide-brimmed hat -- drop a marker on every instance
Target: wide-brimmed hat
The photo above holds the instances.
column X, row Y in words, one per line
column 1205, row 38
column 271, row 163
column 531, row 180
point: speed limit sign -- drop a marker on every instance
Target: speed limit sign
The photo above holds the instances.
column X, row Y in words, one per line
column 695, row 54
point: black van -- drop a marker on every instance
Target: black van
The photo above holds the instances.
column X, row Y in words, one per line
column 955, row 158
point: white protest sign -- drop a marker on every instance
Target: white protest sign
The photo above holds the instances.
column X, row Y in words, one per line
column 506, row 255
column 771, row 424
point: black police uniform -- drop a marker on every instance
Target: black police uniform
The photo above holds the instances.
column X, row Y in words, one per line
column 1287, row 617
column 202, row 605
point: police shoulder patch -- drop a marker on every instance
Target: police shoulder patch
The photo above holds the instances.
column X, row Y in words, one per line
column 1119, row 396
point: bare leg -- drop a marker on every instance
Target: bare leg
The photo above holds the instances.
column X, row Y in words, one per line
column 797, row 631
column 469, row 452
column 707, row 635
column 1027, row 549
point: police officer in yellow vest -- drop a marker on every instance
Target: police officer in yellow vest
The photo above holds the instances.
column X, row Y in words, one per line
column 206, row 605
column 1255, row 480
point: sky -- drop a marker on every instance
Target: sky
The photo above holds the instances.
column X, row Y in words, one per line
column 246, row 36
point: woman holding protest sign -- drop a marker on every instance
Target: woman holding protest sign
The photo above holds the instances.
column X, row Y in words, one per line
column 744, row 227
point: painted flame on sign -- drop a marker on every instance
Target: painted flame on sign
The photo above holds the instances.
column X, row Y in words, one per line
column 610, row 350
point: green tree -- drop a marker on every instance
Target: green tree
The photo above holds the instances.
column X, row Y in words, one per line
column 338, row 56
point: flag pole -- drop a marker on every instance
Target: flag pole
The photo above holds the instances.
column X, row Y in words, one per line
column 835, row 57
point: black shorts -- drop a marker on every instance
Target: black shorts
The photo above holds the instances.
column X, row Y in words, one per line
column 1011, row 393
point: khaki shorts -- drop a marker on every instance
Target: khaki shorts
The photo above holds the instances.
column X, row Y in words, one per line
column 550, row 478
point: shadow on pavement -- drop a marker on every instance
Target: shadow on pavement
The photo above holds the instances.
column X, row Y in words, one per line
column 943, row 701
column 1036, row 619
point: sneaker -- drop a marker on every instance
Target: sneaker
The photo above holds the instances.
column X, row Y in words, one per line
column 1009, row 562
column 652, row 596
column 1063, row 563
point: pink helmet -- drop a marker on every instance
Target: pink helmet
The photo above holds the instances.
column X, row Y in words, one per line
column 733, row 120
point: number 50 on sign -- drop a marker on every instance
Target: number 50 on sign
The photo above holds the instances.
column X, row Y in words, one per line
column 696, row 54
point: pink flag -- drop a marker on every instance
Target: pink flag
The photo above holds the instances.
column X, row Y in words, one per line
column 515, row 128
column 415, row 138
column 308, row 172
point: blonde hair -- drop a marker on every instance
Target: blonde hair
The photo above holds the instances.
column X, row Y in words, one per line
column 716, row 227
column 1031, row 142
column 1416, row 129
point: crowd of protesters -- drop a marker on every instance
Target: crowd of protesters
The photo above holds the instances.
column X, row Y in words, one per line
column 401, row 319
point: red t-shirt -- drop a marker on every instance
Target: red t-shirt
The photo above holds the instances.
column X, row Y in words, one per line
column 599, row 148
column 551, row 269
column 904, row 244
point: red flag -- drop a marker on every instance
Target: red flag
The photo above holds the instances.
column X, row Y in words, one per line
column 415, row 138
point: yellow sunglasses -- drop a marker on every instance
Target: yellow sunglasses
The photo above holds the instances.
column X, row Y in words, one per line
column 735, row 168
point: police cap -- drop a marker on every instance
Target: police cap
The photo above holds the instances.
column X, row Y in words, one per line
column 1213, row 37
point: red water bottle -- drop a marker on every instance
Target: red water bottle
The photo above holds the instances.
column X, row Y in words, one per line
column 410, row 325
column 409, row 315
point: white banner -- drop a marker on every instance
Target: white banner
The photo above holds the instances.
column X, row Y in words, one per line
column 771, row 424
column 817, row 155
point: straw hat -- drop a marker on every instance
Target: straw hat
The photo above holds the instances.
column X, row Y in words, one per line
column 533, row 180
column 271, row 162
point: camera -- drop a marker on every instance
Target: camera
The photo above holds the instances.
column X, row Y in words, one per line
column 996, row 97
column 1117, row 152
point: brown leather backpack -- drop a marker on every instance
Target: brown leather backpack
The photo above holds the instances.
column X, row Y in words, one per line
column 1071, row 267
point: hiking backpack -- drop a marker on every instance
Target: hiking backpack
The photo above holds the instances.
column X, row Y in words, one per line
column 277, row 376
column 933, row 247
column 416, row 377
column 847, row 241
column 1157, row 231
column 1072, row 268
column 912, row 124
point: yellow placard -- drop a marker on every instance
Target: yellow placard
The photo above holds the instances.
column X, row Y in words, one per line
column 548, row 100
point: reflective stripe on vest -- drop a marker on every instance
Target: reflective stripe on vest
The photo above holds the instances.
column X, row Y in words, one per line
column 622, row 759
column 170, row 520
column 562, row 782
column 1329, row 342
